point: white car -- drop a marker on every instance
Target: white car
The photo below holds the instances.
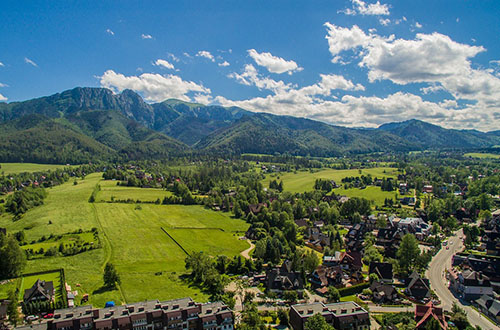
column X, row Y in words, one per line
column 31, row 318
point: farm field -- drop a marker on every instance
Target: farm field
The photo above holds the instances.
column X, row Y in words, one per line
column 371, row 193
column 482, row 155
column 110, row 189
column 304, row 180
column 151, row 267
column 15, row 168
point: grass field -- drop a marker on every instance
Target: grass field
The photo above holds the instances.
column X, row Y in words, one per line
column 8, row 286
column 66, row 239
column 14, row 168
column 372, row 193
column 482, row 155
column 28, row 281
column 109, row 189
column 304, row 180
column 148, row 261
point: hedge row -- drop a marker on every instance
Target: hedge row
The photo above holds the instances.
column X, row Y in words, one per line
column 353, row 289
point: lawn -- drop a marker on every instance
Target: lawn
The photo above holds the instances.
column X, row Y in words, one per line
column 110, row 189
column 15, row 168
column 304, row 180
column 28, row 281
column 149, row 263
column 482, row 155
column 371, row 193
column 7, row 286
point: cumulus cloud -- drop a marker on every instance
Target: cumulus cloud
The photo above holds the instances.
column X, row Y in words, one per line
column 1, row 64
column 251, row 77
column 362, row 8
column 146, row 36
column 153, row 87
column 273, row 63
column 3, row 98
column 429, row 58
column 384, row 21
column 164, row 63
column 173, row 57
column 418, row 25
column 206, row 54
column 110, row 32
column 30, row 62
column 225, row 63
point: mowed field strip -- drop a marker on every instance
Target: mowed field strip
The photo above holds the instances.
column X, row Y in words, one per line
column 304, row 180
column 149, row 263
column 15, row 168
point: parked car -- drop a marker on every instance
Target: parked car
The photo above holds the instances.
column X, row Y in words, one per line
column 31, row 318
column 48, row 316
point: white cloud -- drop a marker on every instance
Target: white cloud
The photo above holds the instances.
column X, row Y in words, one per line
column 28, row 61
column 384, row 21
column 108, row 31
column 251, row 77
column 225, row 63
column 153, row 87
column 146, row 36
column 273, row 63
column 3, row 98
column 3, row 85
column 362, row 8
column 164, row 63
column 187, row 55
column 206, row 54
column 418, row 25
column 1, row 64
column 173, row 57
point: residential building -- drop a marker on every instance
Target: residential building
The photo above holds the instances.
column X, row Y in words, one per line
column 489, row 306
column 424, row 313
column 342, row 316
column 383, row 271
column 280, row 279
column 384, row 293
column 40, row 291
column 173, row 314
column 417, row 287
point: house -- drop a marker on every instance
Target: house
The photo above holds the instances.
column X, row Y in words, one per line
column 334, row 260
column 470, row 284
column 424, row 313
column 342, row 316
column 173, row 314
column 40, row 291
column 403, row 188
column 427, row 189
column 352, row 261
column 324, row 276
column 256, row 208
column 383, row 271
column 489, row 306
column 416, row 226
column 417, row 287
column 280, row 279
column 384, row 293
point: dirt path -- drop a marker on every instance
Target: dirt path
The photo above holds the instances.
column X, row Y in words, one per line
column 246, row 253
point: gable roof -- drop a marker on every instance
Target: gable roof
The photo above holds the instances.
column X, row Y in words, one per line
column 418, row 286
column 40, row 288
column 382, row 269
column 423, row 313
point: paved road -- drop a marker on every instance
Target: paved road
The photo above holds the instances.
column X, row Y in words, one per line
column 436, row 276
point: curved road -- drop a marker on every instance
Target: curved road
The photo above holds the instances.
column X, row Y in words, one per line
column 436, row 275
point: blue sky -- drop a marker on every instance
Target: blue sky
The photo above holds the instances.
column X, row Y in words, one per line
column 351, row 63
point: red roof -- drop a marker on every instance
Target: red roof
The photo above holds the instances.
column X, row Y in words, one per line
column 423, row 313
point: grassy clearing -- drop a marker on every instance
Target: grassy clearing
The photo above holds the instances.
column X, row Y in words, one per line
column 15, row 168
column 149, row 263
column 371, row 193
column 109, row 189
column 304, row 180
column 28, row 281
column 482, row 155
column 7, row 286
column 87, row 238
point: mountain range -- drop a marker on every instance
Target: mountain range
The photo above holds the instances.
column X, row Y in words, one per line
column 86, row 124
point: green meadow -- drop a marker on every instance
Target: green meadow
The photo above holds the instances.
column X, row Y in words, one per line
column 15, row 168
column 110, row 190
column 482, row 155
column 148, row 261
column 302, row 181
column 371, row 193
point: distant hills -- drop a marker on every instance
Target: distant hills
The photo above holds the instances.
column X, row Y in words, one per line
column 88, row 124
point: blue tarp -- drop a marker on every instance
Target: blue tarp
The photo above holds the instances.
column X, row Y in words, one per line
column 110, row 304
